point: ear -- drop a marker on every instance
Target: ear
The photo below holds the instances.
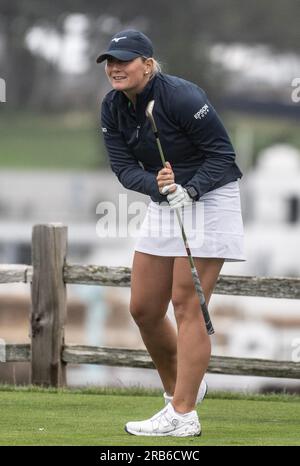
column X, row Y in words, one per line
column 148, row 66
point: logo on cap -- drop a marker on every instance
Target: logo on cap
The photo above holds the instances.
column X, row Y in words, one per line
column 135, row 44
column 116, row 39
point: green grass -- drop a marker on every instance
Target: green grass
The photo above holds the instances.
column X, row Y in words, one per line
column 91, row 416
column 50, row 142
column 73, row 141
column 262, row 131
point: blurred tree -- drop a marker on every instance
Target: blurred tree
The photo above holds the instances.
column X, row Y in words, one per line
column 182, row 33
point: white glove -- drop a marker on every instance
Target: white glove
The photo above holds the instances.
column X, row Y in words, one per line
column 179, row 198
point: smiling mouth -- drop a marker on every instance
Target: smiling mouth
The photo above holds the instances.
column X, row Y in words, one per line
column 119, row 78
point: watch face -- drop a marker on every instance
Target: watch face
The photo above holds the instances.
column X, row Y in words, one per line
column 192, row 192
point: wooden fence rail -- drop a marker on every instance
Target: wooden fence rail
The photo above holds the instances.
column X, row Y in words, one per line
column 48, row 277
column 124, row 357
column 287, row 288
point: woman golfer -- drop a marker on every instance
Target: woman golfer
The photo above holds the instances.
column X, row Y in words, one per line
column 200, row 180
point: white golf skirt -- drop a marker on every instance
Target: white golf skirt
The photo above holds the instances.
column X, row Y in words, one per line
column 213, row 227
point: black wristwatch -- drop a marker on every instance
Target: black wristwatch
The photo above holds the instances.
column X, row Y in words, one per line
column 192, row 192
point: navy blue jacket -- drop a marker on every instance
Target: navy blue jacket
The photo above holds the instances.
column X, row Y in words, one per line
column 192, row 136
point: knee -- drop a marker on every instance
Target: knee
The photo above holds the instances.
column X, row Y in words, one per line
column 179, row 301
column 185, row 306
column 142, row 314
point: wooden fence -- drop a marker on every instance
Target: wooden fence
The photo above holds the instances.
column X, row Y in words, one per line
column 48, row 277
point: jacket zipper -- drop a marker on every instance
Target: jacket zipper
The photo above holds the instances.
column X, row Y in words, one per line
column 137, row 131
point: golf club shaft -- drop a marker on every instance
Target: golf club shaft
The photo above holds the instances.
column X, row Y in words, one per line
column 198, row 287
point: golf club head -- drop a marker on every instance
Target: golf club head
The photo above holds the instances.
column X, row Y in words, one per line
column 149, row 114
column 149, row 108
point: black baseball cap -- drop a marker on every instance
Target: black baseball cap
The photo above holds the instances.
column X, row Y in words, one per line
column 128, row 45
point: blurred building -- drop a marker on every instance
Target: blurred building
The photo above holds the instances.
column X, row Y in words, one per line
column 72, row 198
column 272, row 213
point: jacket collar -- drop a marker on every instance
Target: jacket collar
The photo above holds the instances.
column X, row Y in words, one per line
column 142, row 100
column 146, row 94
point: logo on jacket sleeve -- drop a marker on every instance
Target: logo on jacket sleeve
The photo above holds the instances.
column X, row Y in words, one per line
column 202, row 112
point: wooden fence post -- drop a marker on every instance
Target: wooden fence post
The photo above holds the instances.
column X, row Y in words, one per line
column 48, row 293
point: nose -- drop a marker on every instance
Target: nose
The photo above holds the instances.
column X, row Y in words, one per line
column 115, row 66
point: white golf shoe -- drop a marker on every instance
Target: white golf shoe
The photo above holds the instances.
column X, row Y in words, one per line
column 200, row 397
column 167, row 422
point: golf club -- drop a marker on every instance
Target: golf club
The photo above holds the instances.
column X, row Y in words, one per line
column 209, row 326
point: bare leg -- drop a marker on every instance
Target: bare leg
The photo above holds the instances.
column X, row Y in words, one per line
column 151, row 287
column 193, row 345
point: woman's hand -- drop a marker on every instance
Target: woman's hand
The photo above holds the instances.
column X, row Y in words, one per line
column 166, row 177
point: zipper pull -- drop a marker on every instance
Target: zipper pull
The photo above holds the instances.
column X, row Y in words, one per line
column 137, row 131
